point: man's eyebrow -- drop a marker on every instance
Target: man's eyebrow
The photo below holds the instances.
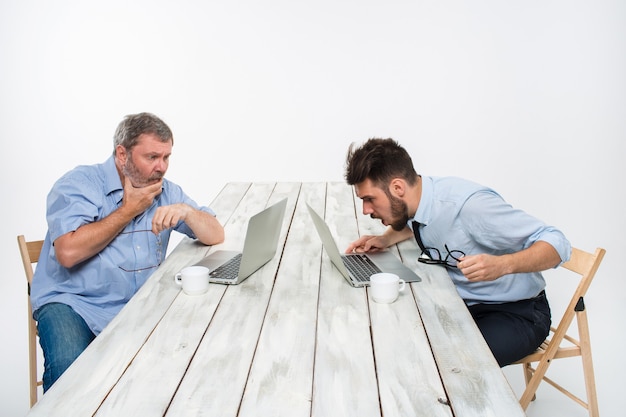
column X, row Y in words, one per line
column 364, row 196
column 156, row 153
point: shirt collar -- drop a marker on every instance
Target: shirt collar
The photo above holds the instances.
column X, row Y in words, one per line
column 424, row 208
column 113, row 184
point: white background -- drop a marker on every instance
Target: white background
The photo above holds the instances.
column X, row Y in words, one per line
column 526, row 97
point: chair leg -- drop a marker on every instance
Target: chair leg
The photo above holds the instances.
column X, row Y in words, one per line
column 585, row 348
column 537, row 376
column 32, row 359
column 528, row 374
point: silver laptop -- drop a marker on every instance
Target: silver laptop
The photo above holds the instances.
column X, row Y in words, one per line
column 357, row 268
column 233, row 267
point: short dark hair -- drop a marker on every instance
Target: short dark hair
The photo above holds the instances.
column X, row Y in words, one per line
column 379, row 160
column 135, row 125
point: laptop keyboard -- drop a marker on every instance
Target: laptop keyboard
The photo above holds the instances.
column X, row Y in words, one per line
column 360, row 266
column 228, row 270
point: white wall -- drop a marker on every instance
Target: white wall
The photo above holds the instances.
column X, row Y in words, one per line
column 527, row 97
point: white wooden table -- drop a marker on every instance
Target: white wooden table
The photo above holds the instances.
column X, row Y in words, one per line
column 292, row 340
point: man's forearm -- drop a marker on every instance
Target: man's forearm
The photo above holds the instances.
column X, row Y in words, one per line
column 90, row 239
column 393, row 236
column 206, row 227
column 540, row 256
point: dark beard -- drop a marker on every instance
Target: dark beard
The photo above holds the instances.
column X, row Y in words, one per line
column 399, row 212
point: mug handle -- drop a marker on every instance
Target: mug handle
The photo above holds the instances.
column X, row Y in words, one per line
column 402, row 284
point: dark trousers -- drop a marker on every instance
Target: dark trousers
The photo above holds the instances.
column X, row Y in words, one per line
column 513, row 330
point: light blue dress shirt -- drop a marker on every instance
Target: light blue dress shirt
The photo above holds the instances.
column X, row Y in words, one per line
column 99, row 287
column 474, row 219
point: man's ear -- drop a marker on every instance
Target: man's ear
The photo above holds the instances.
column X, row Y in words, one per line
column 397, row 187
column 120, row 154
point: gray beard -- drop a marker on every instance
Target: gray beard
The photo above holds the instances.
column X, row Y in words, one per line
column 130, row 170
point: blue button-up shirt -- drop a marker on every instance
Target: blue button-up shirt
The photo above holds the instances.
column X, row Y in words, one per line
column 474, row 219
column 99, row 287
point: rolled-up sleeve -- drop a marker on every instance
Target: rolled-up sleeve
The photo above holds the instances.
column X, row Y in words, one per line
column 494, row 223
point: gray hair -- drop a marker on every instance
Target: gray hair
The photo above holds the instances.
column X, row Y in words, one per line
column 135, row 125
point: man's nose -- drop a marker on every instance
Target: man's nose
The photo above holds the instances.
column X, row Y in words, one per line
column 161, row 165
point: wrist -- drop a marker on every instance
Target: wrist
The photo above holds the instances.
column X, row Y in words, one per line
column 507, row 263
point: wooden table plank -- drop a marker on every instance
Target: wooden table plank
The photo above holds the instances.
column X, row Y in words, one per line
column 475, row 384
column 149, row 383
column 281, row 377
column 344, row 375
column 407, row 373
column 215, row 380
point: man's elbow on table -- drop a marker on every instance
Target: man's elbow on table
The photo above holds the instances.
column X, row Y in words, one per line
column 212, row 232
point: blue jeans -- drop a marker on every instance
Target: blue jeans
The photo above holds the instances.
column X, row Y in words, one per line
column 63, row 335
column 513, row 330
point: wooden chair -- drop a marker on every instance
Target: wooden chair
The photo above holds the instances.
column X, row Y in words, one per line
column 560, row 345
column 30, row 254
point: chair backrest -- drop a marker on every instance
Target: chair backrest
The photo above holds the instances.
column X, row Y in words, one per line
column 30, row 252
column 586, row 265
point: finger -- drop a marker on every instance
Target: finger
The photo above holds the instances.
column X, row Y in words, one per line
column 170, row 221
column 354, row 246
column 157, row 225
column 467, row 272
column 357, row 249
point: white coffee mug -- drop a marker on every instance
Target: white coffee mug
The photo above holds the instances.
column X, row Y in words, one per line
column 385, row 287
column 194, row 279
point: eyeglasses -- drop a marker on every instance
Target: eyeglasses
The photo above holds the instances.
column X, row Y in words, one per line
column 159, row 252
column 432, row 256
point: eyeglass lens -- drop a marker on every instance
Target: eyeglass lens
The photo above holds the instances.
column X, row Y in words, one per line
column 433, row 256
